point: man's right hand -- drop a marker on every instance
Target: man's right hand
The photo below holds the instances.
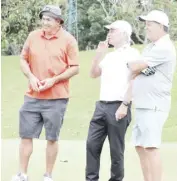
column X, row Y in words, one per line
column 34, row 83
column 102, row 47
column 100, row 54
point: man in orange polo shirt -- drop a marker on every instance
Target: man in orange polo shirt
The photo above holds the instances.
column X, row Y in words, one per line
column 49, row 59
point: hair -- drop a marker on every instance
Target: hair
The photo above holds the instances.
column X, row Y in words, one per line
column 166, row 29
column 127, row 37
column 53, row 16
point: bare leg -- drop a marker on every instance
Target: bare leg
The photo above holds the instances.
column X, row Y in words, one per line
column 144, row 163
column 25, row 151
column 51, row 155
column 154, row 158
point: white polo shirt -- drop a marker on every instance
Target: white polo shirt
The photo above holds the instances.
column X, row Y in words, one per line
column 115, row 74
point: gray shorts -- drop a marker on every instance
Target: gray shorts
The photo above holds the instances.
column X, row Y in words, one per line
column 147, row 131
column 35, row 113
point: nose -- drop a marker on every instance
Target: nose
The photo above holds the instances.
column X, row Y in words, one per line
column 109, row 34
column 108, row 37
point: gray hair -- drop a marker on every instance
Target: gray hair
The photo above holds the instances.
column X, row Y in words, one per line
column 166, row 29
column 127, row 37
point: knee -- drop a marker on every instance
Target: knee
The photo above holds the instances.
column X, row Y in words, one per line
column 152, row 151
column 141, row 152
column 139, row 149
column 93, row 146
column 26, row 146
column 89, row 144
column 52, row 142
column 52, row 147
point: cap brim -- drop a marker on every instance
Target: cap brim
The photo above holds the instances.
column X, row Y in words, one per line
column 142, row 18
column 108, row 26
column 145, row 18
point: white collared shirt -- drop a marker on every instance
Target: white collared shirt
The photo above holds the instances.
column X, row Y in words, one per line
column 114, row 73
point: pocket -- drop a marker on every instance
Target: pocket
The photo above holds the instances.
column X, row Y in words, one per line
column 129, row 115
column 62, row 105
column 28, row 99
column 30, row 104
column 97, row 105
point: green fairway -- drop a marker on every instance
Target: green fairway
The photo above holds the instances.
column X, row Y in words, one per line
column 70, row 163
column 84, row 93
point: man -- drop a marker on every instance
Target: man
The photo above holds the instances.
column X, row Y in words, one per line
column 152, row 94
column 113, row 105
column 49, row 59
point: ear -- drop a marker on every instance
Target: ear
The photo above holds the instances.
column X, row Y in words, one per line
column 160, row 26
column 58, row 21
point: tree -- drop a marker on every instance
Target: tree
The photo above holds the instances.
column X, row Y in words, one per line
column 21, row 17
column 94, row 14
column 18, row 19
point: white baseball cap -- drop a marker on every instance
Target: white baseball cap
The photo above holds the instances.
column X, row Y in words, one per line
column 157, row 16
column 122, row 25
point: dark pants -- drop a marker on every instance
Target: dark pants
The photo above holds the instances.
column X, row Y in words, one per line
column 104, row 124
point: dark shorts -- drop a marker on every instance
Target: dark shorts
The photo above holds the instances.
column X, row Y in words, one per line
column 38, row 112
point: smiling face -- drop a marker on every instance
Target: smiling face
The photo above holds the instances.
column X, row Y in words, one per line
column 49, row 24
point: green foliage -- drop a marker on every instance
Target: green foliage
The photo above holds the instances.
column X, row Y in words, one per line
column 94, row 14
column 18, row 19
column 21, row 17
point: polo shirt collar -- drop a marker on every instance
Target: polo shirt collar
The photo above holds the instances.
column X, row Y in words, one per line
column 56, row 35
column 123, row 47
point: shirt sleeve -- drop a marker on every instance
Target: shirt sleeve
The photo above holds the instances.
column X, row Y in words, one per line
column 72, row 52
column 157, row 57
column 26, row 49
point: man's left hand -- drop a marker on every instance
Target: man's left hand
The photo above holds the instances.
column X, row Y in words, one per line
column 46, row 84
column 121, row 112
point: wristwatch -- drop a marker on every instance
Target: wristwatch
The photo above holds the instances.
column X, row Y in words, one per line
column 125, row 103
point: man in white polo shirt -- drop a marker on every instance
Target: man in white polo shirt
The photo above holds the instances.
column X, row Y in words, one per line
column 112, row 113
column 152, row 93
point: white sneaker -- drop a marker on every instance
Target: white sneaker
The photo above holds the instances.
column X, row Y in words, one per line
column 46, row 178
column 19, row 177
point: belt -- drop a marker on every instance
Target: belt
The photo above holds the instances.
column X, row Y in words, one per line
column 111, row 102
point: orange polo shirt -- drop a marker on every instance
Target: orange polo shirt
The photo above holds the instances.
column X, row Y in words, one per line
column 48, row 58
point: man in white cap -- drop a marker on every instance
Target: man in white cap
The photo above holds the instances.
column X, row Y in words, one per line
column 112, row 114
column 49, row 59
column 152, row 93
